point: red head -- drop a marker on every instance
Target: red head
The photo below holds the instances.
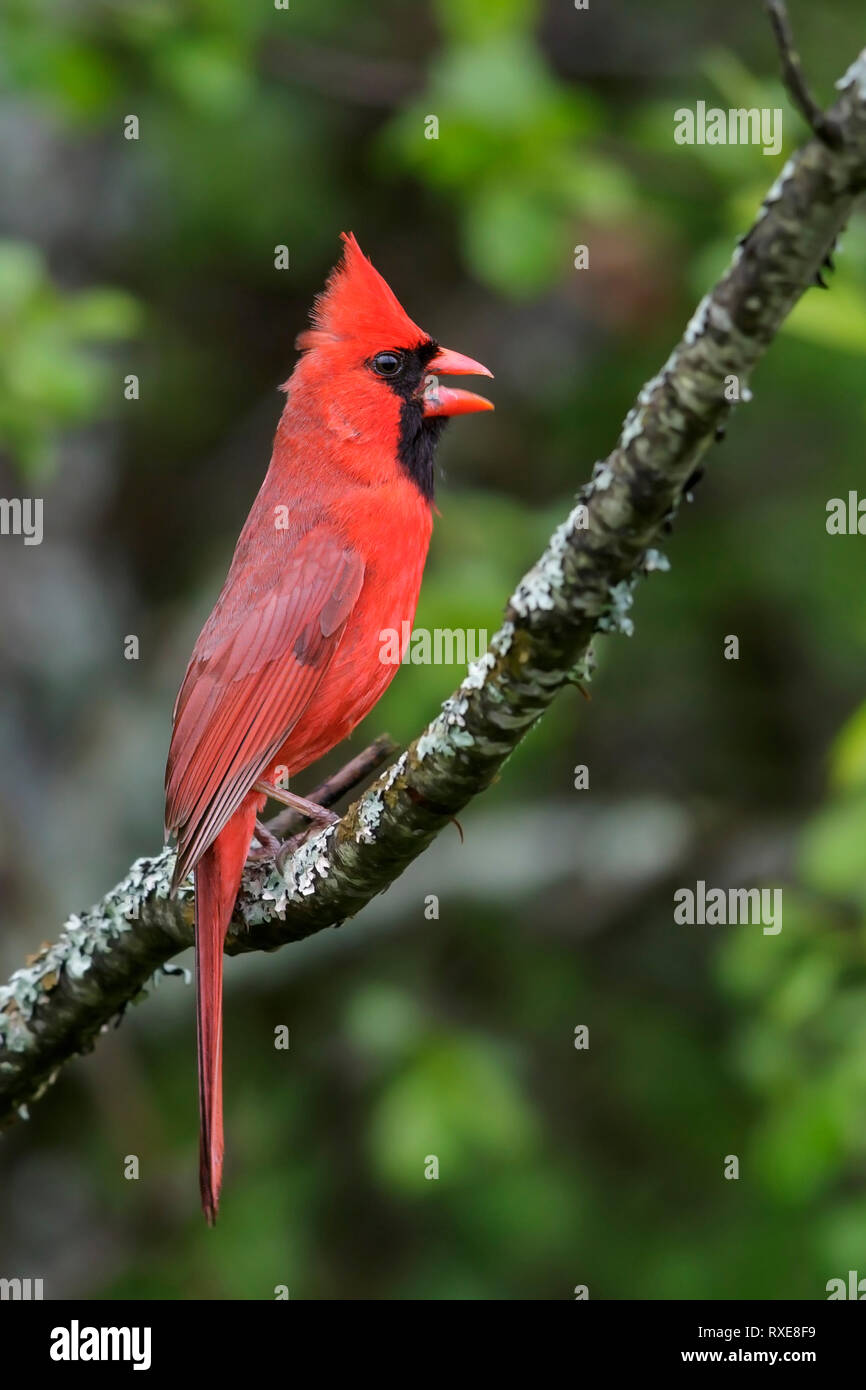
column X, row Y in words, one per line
column 379, row 370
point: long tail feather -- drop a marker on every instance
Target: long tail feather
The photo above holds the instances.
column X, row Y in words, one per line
column 217, row 879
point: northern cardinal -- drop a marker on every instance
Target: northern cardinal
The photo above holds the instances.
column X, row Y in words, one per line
column 289, row 661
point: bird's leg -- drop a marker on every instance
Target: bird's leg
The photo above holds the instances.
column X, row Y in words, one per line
column 314, row 808
column 288, row 847
column 320, row 815
column 281, row 850
column 340, row 783
column 269, row 844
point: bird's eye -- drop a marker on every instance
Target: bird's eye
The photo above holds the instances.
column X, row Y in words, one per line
column 387, row 363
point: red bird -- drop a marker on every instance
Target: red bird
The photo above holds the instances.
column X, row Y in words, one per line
column 289, row 660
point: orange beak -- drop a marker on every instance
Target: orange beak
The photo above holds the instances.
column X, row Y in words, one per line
column 447, row 400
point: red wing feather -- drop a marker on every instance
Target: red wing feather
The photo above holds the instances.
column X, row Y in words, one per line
column 254, row 670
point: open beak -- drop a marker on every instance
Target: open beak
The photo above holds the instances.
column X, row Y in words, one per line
column 448, row 400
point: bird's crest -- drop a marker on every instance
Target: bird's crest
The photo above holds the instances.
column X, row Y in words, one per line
column 357, row 303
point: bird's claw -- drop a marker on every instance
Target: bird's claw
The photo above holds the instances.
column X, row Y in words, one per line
column 281, row 851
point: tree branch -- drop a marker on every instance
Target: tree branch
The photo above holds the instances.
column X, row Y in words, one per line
column 582, row 585
column 824, row 126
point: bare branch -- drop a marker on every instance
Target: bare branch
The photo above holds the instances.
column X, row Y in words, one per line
column 824, row 126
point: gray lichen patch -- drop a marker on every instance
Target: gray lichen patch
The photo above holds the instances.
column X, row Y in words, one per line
column 82, row 939
column 602, row 477
column 616, row 617
column 855, row 78
column 655, row 560
column 447, row 732
column 267, row 894
column 697, row 324
column 632, row 426
column 777, row 188
column 540, row 586
column 309, row 864
column 394, row 771
column 478, row 671
column 582, row 671
column 369, row 815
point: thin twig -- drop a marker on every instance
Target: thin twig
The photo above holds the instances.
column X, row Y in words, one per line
column 824, row 126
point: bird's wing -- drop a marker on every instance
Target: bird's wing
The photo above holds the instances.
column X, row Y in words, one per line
column 254, row 670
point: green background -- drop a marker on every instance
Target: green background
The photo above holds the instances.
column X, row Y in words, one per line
column 455, row 1036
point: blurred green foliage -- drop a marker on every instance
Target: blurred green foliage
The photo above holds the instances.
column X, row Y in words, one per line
column 450, row 1037
column 50, row 377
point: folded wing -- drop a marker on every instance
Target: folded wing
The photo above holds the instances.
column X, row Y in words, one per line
column 254, row 670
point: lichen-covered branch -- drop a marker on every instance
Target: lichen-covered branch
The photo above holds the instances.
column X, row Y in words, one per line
column 582, row 585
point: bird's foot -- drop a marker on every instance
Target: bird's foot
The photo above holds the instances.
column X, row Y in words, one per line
column 289, row 847
column 270, row 847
